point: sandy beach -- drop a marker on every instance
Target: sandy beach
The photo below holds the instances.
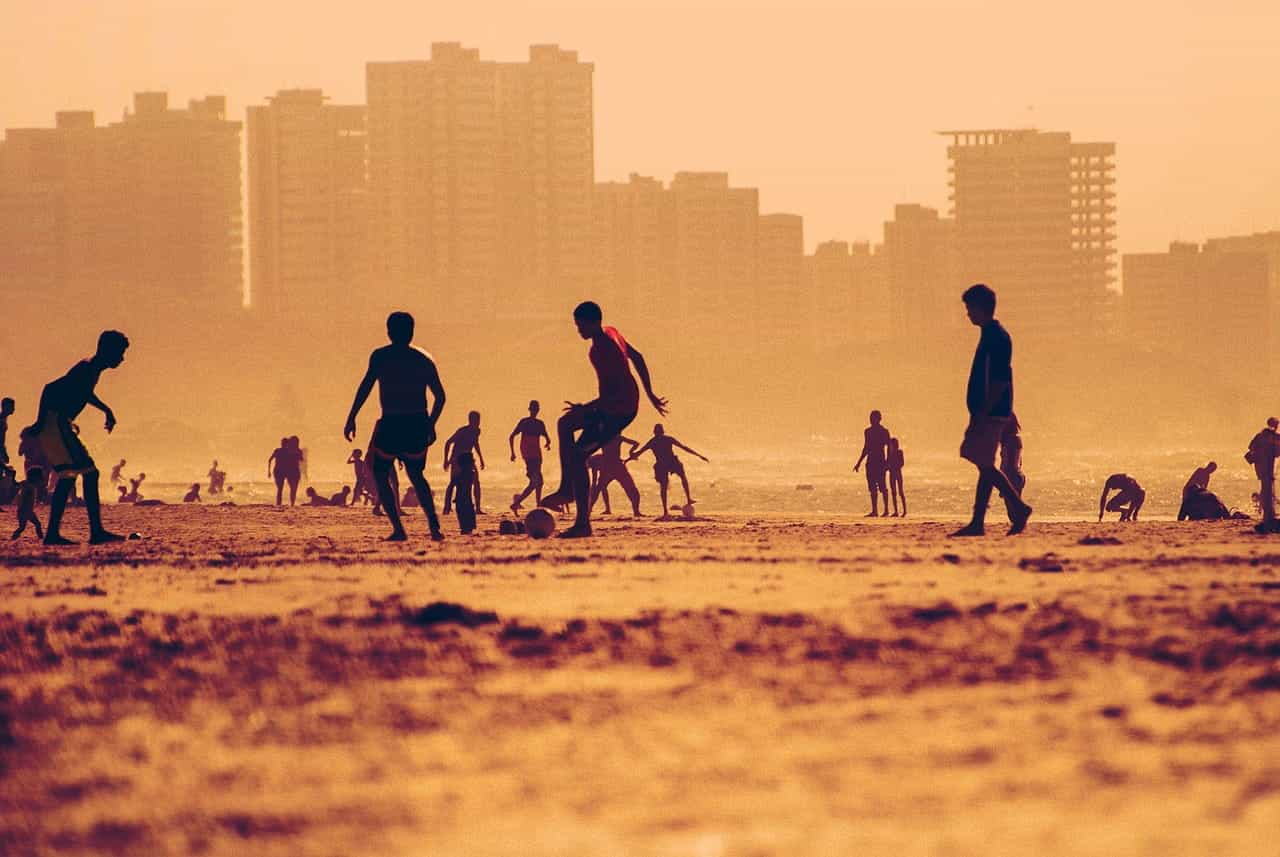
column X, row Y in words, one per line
column 246, row 680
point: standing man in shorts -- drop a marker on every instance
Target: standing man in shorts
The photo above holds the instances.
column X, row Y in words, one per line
column 875, row 451
column 990, row 402
column 533, row 433
column 666, row 464
column 58, row 438
column 404, row 374
column 601, row 420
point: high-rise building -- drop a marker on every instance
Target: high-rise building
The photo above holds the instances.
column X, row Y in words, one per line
column 848, row 294
column 145, row 210
column 781, row 311
column 308, row 212
column 630, row 238
column 481, row 176
column 1034, row 216
column 1199, row 304
column 924, row 290
column 714, row 239
column 1268, row 245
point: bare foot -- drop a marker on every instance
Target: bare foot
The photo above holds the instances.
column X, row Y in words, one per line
column 103, row 537
column 437, row 536
column 970, row 530
column 53, row 539
column 1020, row 520
column 397, row 536
column 576, row 532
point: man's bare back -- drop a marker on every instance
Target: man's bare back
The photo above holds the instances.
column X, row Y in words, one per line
column 404, row 374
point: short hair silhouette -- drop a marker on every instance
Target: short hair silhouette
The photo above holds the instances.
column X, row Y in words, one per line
column 400, row 328
column 876, row 416
column 981, row 296
column 7, row 402
column 112, row 342
column 588, row 311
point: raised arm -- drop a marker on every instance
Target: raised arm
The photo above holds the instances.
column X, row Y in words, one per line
column 625, row 439
column 642, row 369
column 362, row 395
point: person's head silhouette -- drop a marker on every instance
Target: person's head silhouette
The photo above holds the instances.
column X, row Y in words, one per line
column 400, row 328
column 357, row 454
column 112, row 344
column 658, row 430
column 589, row 318
column 6, row 406
column 534, row 407
column 473, row 419
column 1211, row 466
column 980, row 303
column 875, row 418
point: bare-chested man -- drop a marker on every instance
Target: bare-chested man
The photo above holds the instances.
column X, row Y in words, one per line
column 460, row 453
column 404, row 374
column 875, row 452
column 601, row 420
column 666, row 464
column 1127, row 502
column 533, row 434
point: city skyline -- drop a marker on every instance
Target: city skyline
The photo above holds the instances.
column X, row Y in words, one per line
column 1195, row 157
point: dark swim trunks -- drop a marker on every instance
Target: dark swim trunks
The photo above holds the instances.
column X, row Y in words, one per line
column 59, row 440
column 664, row 470
column 600, row 427
column 403, row 436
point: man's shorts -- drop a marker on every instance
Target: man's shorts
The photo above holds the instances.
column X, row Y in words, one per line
column 404, row 436
column 982, row 439
column 876, row 474
column 600, row 427
column 663, row 471
column 463, row 467
column 60, row 442
column 533, row 468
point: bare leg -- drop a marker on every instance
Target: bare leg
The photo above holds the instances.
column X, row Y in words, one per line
column 416, row 474
column 293, row 490
column 279, row 490
column 684, row 480
column 387, row 494
column 93, row 506
column 629, row 488
column 57, row 506
column 662, row 490
column 448, row 496
column 475, row 492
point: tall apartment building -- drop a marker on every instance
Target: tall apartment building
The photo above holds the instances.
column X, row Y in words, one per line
column 1267, row 244
column 308, row 204
column 1034, row 216
column 781, row 316
column 631, row 237
column 145, row 210
column 849, row 295
column 920, row 250
column 713, row 274
column 481, row 176
column 1199, row 304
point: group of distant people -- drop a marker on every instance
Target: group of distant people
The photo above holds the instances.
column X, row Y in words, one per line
column 590, row 437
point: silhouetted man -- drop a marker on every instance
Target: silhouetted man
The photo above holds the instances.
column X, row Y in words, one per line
column 875, row 447
column 217, row 479
column 610, row 467
column 601, row 420
column 1263, row 450
column 989, row 398
column 1127, row 502
column 6, row 411
column 1199, row 480
column 404, row 374
column 666, row 464
column 55, row 430
column 533, row 433
column 460, row 453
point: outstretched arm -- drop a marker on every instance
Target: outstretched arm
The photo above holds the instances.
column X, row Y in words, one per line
column 636, row 453
column 642, row 369
column 688, row 450
column 362, row 395
column 625, row 439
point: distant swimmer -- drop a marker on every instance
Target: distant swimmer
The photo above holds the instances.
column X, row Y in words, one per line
column 1127, row 501
column 875, row 446
column 217, row 479
column 666, row 464
column 28, row 491
column 894, row 464
column 193, row 494
column 404, row 374
column 116, row 469
column 610, row 468
column 364, row 489
column 54, row 428
column 287, row 459
column 599, row 421
column 533, row 435
column 1262, row 453
column 460, row 453
column 989, row 398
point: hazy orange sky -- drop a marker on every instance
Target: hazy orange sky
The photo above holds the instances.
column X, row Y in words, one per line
column 828, row 108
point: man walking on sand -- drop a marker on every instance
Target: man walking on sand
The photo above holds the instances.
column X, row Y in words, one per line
column 404, row 374
column 990, row 401
column 603, row 418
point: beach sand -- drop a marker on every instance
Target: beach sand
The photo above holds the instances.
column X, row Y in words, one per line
column 281, row 682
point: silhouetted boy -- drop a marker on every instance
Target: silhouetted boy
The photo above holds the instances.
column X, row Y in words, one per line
column 894, row 464
column 1127, row 502
column 610, row 467
column 533, row 433
column 603, row 418
column 193, row 494
column 666, row 464
column 55, row 430
column 989, row 398
column 403, row 374
column 1199, row 480
column 460, row 462
column 875, row 445
column 115, row 472
column 363, row 478
column 26, row 499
